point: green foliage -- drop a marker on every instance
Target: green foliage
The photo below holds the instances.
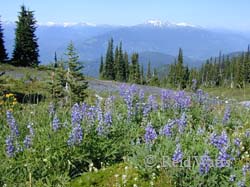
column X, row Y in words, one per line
column 26, row 51
column 3, row 53
column 76, row 84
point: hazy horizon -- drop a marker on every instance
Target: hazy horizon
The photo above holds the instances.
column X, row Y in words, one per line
column 224, row 14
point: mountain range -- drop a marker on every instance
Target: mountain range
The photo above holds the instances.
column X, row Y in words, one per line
column 154, row 40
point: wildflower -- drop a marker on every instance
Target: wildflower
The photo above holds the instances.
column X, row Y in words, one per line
column 226, row 115
column 108, row 118
column 76, row 116
column 194, row 84
column 237, row 142
column 27, row 141
column 182, row 122
column 241, row 183
column 10, row 149
column 205, row 164
column 51, row 109
column 166, row 96
column 247, row 133
column 182, row 101
column 76, row 135
column 222, row 160
column 150, row 134
column 245, row 169
column 12, row 123
column 177, row 157
column 219, row 141
column 152, row 102
column 31, row 130
column 55, row 123
column 141, row 95
column 232, row 178
column 167, row 129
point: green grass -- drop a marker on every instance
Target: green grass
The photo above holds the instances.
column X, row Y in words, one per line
column 228, row 93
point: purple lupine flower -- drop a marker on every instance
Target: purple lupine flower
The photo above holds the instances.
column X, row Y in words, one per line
column 194, row 84
column 91, row 113
column 245, row 169
column 76, row 135
column 227, row 115
column 182, row 101
column 237, row 142
column 177, row 157
column 205, row 164
column 83, row 110
column 222, row 160
column 55, row 123
column 152, row 102
column 146, row 110
column 10, row 149
column 100, row 129
column 200, row 131
column 150, row 134
column 219, row 141
column 76, row 115
column 166, row 97
column 232, row 178
column 167, row 129
column 27, row 141
column 99, row 114
column 31, row 130
column 141, row 95
column 182, row 122
column 200, row 96
column 241, row 183
column 51, row 109
column 247, row 133
column 12, row 123
column 108, row 118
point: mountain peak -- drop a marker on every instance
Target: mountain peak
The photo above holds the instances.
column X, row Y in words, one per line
column 159, row 23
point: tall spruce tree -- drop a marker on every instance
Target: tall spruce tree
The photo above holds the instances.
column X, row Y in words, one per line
column 109, row 62
column 76, row 84
column 26, row 51
column 121, row 69
column 149, row 74
column 180, row 71
column 3, row 54
column 101, row 69
column 126, row 62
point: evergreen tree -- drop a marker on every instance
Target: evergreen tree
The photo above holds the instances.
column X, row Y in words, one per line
column 155, row 79
column 3, row 54
column 101, row 70
column 55, row 61
column 57, row 82
column 149, row 74
column 109, row 63
column 134, row 69
column 142, row 75
column 76, row 84
column 121, row 69
column 26, row 48
column 180, row 71
column 116, row 62
column 126, row 65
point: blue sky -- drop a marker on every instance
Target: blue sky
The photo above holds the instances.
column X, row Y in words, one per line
column 230, row 14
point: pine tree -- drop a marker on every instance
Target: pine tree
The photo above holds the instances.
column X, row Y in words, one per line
column 26, row 48
column 126, row 65
column 149, row 74
column 180, row 71
column 121, row 69
column 55, row 61
column 3, row 54
column 134, row 69
column 142, row 75
column 76, row 84
column 101, row 70
column 57, row 82
column 109, row 63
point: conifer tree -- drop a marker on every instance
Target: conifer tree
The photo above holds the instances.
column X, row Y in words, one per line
column 26, row 48
column 3, row 54
column 76, row 84
column 180, row 70
column 109, row 62
column 101, row 70
column 126, row 65
column 121, row 69
column 149, row 74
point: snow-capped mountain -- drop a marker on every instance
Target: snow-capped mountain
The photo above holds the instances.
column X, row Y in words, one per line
column 162, row 24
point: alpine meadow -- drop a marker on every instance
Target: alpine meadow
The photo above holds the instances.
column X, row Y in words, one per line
column 92, row 95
